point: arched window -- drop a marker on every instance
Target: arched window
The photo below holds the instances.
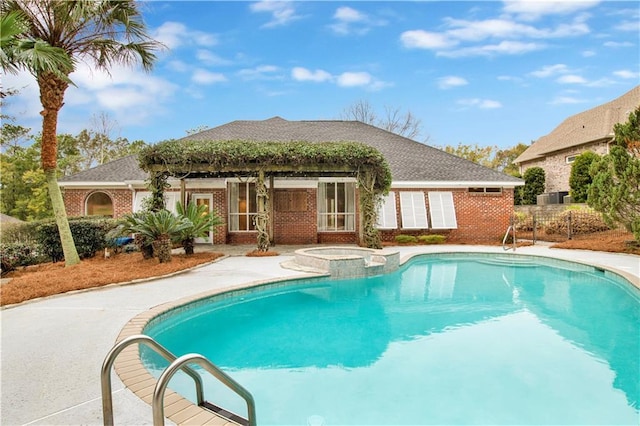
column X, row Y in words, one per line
column 99, row 204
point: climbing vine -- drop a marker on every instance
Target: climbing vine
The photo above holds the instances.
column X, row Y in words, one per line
column 157, row 184
column 262, row 217
column 196, row 158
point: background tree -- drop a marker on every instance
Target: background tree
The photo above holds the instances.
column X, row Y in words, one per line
column 483, row 155
column 580, row 179
column 393, row 120
column 627, row 135
column 504, row 159
column 615, row 187
column 534, row 181
column 105, row 32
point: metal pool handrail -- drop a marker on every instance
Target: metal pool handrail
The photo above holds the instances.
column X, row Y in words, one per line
column 157, row 404
column 504, row 240
column 105, row 374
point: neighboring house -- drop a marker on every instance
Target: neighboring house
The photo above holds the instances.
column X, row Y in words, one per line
column 432, row 191
column 591, row 130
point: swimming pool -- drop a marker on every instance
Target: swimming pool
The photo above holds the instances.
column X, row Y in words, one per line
column 453, row 339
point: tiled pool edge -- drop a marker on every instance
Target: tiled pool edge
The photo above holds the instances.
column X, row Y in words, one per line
column 632, row 279
column 129, row 368
column 137, row 378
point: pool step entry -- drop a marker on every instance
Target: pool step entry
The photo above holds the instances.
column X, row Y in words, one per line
column 176, row 364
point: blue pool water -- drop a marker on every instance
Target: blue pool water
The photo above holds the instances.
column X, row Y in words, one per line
column 447, row 339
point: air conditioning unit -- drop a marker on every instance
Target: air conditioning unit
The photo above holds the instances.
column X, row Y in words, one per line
column 542, row 199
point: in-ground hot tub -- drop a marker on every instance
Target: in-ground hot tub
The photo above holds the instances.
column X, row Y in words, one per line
column 345, row 262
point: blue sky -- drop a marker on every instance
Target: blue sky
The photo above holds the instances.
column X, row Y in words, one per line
column 483, row 72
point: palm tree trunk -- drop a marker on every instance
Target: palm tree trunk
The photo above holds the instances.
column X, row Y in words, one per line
column 68, row 246
column 51, row 95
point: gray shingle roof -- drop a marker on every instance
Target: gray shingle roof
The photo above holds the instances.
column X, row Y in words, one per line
column 410, row 161
column 588, row 126
column 120, row 170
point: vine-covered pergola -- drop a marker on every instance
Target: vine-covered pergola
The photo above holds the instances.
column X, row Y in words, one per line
column 267, row 160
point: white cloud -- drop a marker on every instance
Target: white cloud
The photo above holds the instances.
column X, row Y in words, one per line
column 628, row 26
column 532, row 10
column 588, row 53
column 348, row 14
column 479, row 103
column 502, row 36
column 505, row 28
column 420, row 39
column 261, row 72
column 201, row 76
column 616, row 44
column 351, row 79
column 349, row 20
column 282, row 12
column 550, row 70
column 176, row 34
column 571, row 79
column 502, row 48
column 626, row 74
column 562, row 100
column 303, row 74
column 451, row 81
column 209, row 58
column 177, row 65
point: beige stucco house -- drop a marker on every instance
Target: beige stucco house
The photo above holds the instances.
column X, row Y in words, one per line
column 591, row 130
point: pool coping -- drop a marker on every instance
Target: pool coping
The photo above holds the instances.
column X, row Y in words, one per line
column 128, row 365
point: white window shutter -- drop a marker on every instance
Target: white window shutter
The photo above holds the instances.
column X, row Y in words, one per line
column 443, row 212
column 387, row 218
column 413, row 210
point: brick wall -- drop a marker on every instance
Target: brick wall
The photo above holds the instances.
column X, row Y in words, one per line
column 480, row 217
column 556, row 168
column 295, row 220
column 75, row 200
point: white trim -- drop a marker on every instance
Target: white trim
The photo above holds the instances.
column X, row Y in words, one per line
column 208, row 197
column 453, row 184
column 93, row 185
column 215, row 183
column 297, row 184
column 337, row 179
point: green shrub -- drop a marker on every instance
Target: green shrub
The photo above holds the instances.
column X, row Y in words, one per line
column 19, row 232
column 534, row 181
column 406, row 239
column 13, row 255
column 88, row 236
column 580, row 179
column 432, row 239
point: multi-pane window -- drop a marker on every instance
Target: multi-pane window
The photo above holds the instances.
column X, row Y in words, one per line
column 336, row 206
column 242, row 206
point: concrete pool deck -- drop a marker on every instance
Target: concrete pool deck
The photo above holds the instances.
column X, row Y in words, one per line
column 53, row 348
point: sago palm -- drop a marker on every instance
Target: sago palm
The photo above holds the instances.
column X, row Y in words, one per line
column 101, row 32
column 202, row 222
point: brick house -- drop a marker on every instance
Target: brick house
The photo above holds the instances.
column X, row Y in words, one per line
column 590, row 130
column 431, row 192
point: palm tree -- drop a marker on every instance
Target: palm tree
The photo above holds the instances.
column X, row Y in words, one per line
column 105, row 32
